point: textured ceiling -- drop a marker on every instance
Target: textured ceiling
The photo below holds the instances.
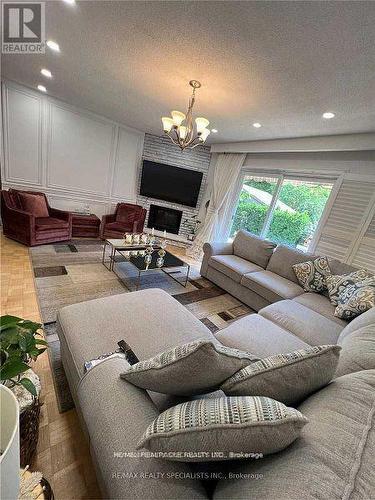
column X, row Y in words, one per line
column 278, row 63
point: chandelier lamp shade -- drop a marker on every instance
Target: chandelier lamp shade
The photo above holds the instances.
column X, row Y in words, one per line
column 180, row 126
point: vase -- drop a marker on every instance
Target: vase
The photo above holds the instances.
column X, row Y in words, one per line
column 9, row 444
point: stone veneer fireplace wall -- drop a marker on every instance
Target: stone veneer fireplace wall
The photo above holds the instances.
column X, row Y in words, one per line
column 161, row 149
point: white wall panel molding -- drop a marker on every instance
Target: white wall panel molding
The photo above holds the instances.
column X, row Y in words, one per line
column 79, row 151
column 22, row 136
column 75, row 156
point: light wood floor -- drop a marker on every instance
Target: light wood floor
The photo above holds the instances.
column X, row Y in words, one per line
column 62, row 454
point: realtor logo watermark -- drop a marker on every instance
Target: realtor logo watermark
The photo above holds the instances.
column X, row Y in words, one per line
column 23, row 28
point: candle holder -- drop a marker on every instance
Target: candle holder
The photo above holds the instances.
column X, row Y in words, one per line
column 149, row 249
column 161, row 252
column 128, row 237
column 136, row 238
column 144, row 238
column 163, row 244
column 159, row 262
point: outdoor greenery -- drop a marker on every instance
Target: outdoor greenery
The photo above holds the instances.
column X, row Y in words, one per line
column 286, row 227
column 19, row 344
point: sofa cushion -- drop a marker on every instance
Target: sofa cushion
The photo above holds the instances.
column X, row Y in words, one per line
column 312, row 273
column 271, row 286
column 116, row 414
column 94, row 327
column 35, row 204
column 117, row 226
column 193, row 368
column 282, row 260
column 358, row 351
column 128, row 214
column 308, row 325
column 215, row 429
column 252, row 248
column 289, row 377
column 365, row 319
column 48, row 223
column 260, row 336
column 333, row 457
column 338, row 267
column 233, row 266
column 320, row 304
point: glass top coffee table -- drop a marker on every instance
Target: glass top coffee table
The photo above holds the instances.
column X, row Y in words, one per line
column 144, row 263
column 116, row 245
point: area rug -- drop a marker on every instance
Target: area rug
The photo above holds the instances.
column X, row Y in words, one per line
column 67, row 273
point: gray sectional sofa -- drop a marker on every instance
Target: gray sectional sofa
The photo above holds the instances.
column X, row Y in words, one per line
column 333, row 458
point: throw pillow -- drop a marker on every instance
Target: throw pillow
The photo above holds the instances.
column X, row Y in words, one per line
column 356, row 299
column 289, row 378
column 223, row 429
column 193, row 368
column 34, row 204
column 311, row 274
column 336, row 284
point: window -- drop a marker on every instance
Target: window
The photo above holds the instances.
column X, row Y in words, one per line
column 285, row 210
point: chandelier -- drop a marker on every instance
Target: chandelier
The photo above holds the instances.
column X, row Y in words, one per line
column 180, row 128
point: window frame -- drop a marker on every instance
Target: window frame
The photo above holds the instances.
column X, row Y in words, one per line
column 280, row 176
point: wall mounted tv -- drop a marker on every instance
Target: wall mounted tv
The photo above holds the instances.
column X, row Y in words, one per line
column 174, row 184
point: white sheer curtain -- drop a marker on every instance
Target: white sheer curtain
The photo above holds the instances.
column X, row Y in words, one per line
column 227, row 170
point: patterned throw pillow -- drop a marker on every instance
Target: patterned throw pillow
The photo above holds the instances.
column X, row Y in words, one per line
column 356, row 299
column 289, row 378
column 223, row 429
column 311, row 274
column 193, row 368
column 336, row 284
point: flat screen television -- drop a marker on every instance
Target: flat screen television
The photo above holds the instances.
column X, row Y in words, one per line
column 174, row 184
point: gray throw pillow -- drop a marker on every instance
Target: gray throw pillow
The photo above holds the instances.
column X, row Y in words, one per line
column 223, row 429
column 194, row 368
column 289, row 378
column 336, row 283
column 311, row 274
column 356, row 299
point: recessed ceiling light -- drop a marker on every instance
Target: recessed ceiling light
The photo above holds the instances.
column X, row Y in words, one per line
column 71, row 2
column 42, row 88
column 53, row 45
column 46, row 72
column 328, row 115
column 257, row 125
column 214, row 131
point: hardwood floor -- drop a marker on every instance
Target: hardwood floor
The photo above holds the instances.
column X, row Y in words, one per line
column 62, row 454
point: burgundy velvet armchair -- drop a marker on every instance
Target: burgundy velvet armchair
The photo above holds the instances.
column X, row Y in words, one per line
column 32, row 221
column 128, row 218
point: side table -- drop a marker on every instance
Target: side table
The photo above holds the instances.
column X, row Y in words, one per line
column 85, row 225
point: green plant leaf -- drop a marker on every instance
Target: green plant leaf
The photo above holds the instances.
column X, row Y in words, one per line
column 9, row 336
column 7, row 320
column 30, row 326
column 41, row 342
column 11, row 368
column 28, row 385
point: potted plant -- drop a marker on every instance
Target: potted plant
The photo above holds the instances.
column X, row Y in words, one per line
column 20, row 344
